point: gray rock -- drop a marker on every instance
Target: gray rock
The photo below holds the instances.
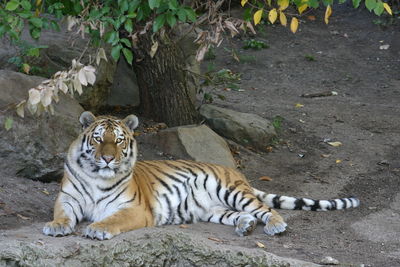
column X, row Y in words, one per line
column 198, row 143
column 35, row 146
column 157, row 246
column 328, row 260
column 244, row 128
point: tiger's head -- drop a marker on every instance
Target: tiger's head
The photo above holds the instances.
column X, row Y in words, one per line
column 106, row 148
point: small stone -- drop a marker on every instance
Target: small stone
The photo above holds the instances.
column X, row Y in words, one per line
column 329, row 261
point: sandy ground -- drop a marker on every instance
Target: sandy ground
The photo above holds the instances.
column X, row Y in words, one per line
column 364, row 117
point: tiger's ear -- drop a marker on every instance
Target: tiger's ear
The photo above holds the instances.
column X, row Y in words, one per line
column 86, row 119
column 131, row 121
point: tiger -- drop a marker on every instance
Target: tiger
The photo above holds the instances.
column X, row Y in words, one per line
column 103, row 183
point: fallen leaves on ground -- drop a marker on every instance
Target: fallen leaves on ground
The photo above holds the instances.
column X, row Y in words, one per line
column 265, row 178
column 335, row 144
column 260, row 245
column 215, row 239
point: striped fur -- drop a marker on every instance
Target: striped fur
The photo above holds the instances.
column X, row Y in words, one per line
column 104, row 184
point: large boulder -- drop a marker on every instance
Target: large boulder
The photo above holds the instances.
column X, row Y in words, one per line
column 194, row 142
column 35, row 147
column 244, row 128
column 157, row 246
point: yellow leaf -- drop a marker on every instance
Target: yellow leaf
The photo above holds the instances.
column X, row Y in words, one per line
column 283, row 4
column 302, row 8
column 260, row 245
column 265, row 178
column 282, row 18
column 294, row 25
column 257, row 16
column 298, row 105
column 328, row 13
column 338, row 161
column 243, row 2
column 387, row 8
column 335, row 143
column 272, row 15
column 26, row 68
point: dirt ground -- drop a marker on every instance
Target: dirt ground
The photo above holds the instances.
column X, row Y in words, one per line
column 364, row 117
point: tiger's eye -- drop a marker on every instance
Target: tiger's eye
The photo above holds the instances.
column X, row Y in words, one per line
column 98, row 139
column 119, row 140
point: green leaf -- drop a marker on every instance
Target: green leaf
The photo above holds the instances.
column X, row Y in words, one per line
column 123, row 6
column 115, row 52
column 128, row 55
column 379, row 8
column 128, row 26
column 342, row 1
column 37, row 22
column 327, row 2
column 182, row 14
column 370, row 4
column 35, row 33
column 26, row 5
column 159, row 22
column 356, row 3
column 54, row 25
column 173, row 4
column 111, row 37
column 171, row 19
column 154, row 3
column 33, row 52
column 191, row 14
column 25, row 14
column 8, row 123
column 12, row 5
column 126, row 42
column 313, row 3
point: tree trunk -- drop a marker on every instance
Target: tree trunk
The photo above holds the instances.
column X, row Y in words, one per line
column 163, row 82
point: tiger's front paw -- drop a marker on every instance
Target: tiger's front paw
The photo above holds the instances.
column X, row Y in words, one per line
column 275, row 225
column 246, row 225
column 99, row 231
column 58, row 228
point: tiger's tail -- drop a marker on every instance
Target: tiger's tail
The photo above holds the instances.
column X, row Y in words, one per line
column 293, row 203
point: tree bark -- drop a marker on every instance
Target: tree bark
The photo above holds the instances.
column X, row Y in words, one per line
column 163, row 81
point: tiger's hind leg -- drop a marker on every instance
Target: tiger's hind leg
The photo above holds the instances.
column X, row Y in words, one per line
column 274, row 223
column 245, row 222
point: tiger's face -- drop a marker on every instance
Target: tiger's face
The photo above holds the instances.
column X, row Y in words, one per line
column 107, row 146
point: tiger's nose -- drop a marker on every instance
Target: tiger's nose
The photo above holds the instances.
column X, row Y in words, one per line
column 108, row 159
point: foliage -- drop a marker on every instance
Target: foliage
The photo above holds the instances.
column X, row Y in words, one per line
column 256, row 10
column 27, row 53
column 255, row 44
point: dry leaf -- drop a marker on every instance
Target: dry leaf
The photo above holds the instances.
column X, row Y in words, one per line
column 302, row 8
column 298, row 105
column 45, row 192
column 336, row 144
column 387, row 8
column 153, row 49
column 338, row 161
column 82, row 77
column 21, row 108
column 34, row 96
column 328, row 13
column 215, row 239
column 272, row 15
column 325, row 155
column 311, row 17
column 384, row 47
column 183, row 226
column 257, row 16
column 26, row 68
column 265, row 178
column 294, row 25
column 283, row 4
column 282, row 18
column 23, row 217
column 260, row 245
